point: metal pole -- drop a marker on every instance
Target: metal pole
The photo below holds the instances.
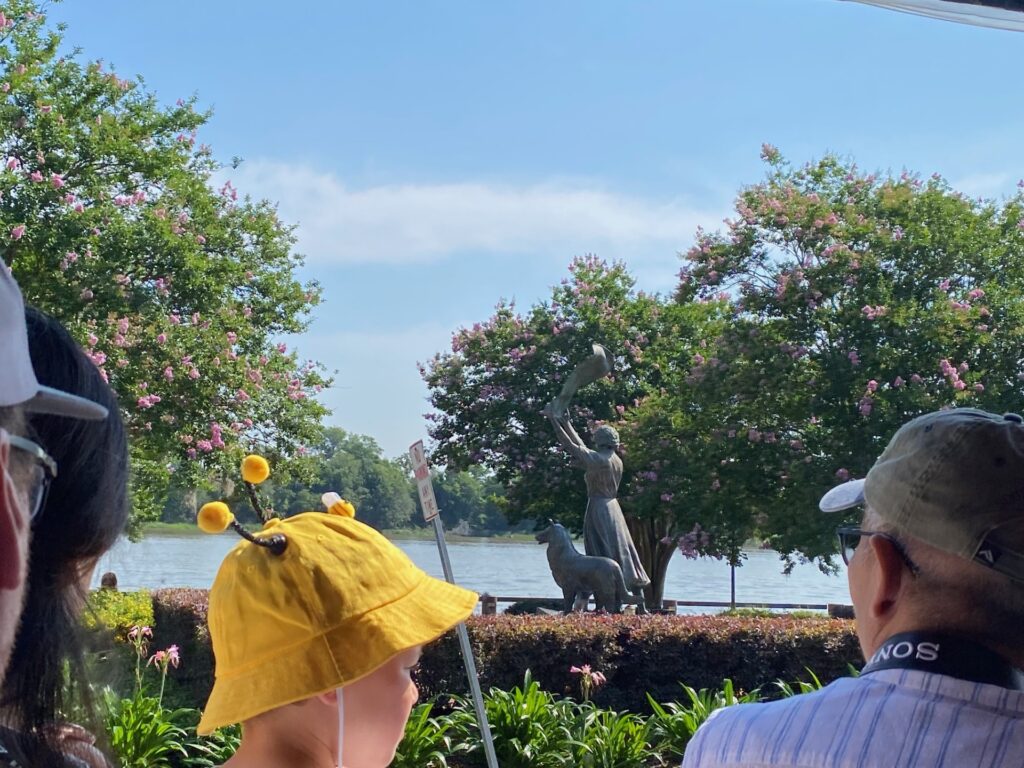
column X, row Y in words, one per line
column 467, row 654
column 732, row 587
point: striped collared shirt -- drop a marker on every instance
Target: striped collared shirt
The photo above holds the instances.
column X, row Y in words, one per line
column 893, row 718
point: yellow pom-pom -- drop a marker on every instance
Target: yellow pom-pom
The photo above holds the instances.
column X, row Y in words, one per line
column 255, row 469
column 337, row 505
column 214, row 517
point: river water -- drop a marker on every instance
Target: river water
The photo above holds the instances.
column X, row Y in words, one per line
column 167, row 560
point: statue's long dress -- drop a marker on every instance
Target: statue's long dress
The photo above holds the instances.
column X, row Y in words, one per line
column 604, row 528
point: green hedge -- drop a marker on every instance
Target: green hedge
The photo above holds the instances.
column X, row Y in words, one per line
column 637, row 654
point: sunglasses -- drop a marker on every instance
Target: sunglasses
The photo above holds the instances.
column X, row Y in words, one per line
column 44, row 471
column 849, row 540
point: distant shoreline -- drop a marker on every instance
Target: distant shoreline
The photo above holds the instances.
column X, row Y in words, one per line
column 396, row 534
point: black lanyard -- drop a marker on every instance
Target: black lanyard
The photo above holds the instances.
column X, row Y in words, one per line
column 946, row 655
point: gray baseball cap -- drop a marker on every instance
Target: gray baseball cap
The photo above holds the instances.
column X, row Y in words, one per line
column 953, row 479
column 18, row 383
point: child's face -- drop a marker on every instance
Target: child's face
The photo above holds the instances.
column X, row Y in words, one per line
column 376, row 711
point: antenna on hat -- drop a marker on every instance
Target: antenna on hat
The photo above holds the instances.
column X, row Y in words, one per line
column 216, row 517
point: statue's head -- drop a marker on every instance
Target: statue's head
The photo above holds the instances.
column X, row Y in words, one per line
column 606, row 437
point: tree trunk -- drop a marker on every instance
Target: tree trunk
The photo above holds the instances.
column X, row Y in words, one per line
column 647, row 536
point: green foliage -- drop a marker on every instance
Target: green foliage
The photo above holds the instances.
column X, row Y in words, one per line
column 608, row 739
column 118, row 612
column 178, row 291
column 530, row 726
column 211, row 751
column 675, row 723
column 142, row 733
column 856, row 302
column 429, row 741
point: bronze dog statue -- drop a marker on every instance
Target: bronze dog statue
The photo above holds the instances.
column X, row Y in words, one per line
column 579, row 576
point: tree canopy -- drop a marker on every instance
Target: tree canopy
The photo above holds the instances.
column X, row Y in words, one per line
column 835, row 306
column 116, row 222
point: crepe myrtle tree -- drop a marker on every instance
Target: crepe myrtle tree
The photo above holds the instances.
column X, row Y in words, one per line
column 490, row 389
column 858, row 301
column 178, row 288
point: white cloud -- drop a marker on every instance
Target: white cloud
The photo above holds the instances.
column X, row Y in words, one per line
column 405, row 223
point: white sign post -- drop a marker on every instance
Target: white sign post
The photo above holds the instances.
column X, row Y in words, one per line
column 421, row 471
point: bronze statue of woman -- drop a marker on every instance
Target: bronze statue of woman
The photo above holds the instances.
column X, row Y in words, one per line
column 604, row 528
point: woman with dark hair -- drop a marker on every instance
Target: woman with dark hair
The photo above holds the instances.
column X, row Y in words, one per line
column 83, row 515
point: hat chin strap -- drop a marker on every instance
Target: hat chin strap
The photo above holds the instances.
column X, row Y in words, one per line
column 341, row 725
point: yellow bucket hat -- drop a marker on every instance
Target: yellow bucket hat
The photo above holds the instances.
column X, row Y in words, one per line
column 310, row 604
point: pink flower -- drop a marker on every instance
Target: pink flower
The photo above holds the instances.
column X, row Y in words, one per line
column 57, row 180
column 666, row 497
column 200, row 239
column 36, row 176
column 944, row 285
column 959, row 385
column 854, row 358
column 242, row 396
column 46, row 108
column 232, row 337
column 18, row 232
column 872, row 386
column 161, row 339
column 193, row 373
column 898, row 382
column 843, row 474
column 979, row 387
column 86, row 294
column 169, row 373
column 13, row 163
column 915, row 379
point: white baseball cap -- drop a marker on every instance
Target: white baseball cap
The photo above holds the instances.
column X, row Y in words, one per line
column 18, row 383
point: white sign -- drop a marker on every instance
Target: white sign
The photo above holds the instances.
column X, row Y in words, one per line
column 422, row 473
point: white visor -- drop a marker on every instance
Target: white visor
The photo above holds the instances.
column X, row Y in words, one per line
column 843, row 496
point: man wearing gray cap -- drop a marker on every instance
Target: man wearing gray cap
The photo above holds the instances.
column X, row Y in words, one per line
column 936, row 575
column 25, row 468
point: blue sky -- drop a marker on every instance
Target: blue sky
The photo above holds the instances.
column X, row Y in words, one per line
column 440, row 156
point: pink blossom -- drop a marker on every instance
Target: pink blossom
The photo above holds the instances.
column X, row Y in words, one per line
column 86, row 294
column 193, row 373
column 204, row 445
column 57, row 180
column 242, row 396
column 898, row 382
column 667, row 497
column 843, row 474
column 282, row 348
column 169, row 373
column 93, row 339
column 161, row 339
column 191, row 453
column 36, row 176
column 897, row 233
column 853, row 357
column 977, row 293
column 232, row 337
column 872, row 386
column 944, row 285
column 200, row 239
column 46, row 108
column 18, row 232
column 79, row 208
column 979, row 387
column 13, row 163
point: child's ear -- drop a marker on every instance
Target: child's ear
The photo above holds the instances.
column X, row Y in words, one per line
column 330, row 698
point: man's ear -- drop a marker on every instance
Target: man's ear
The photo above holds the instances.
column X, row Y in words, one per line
column 890, row 576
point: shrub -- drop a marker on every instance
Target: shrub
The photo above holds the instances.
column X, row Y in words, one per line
column 117, row 612
column 637, row 654
column 179, row 618
column 644, row 654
